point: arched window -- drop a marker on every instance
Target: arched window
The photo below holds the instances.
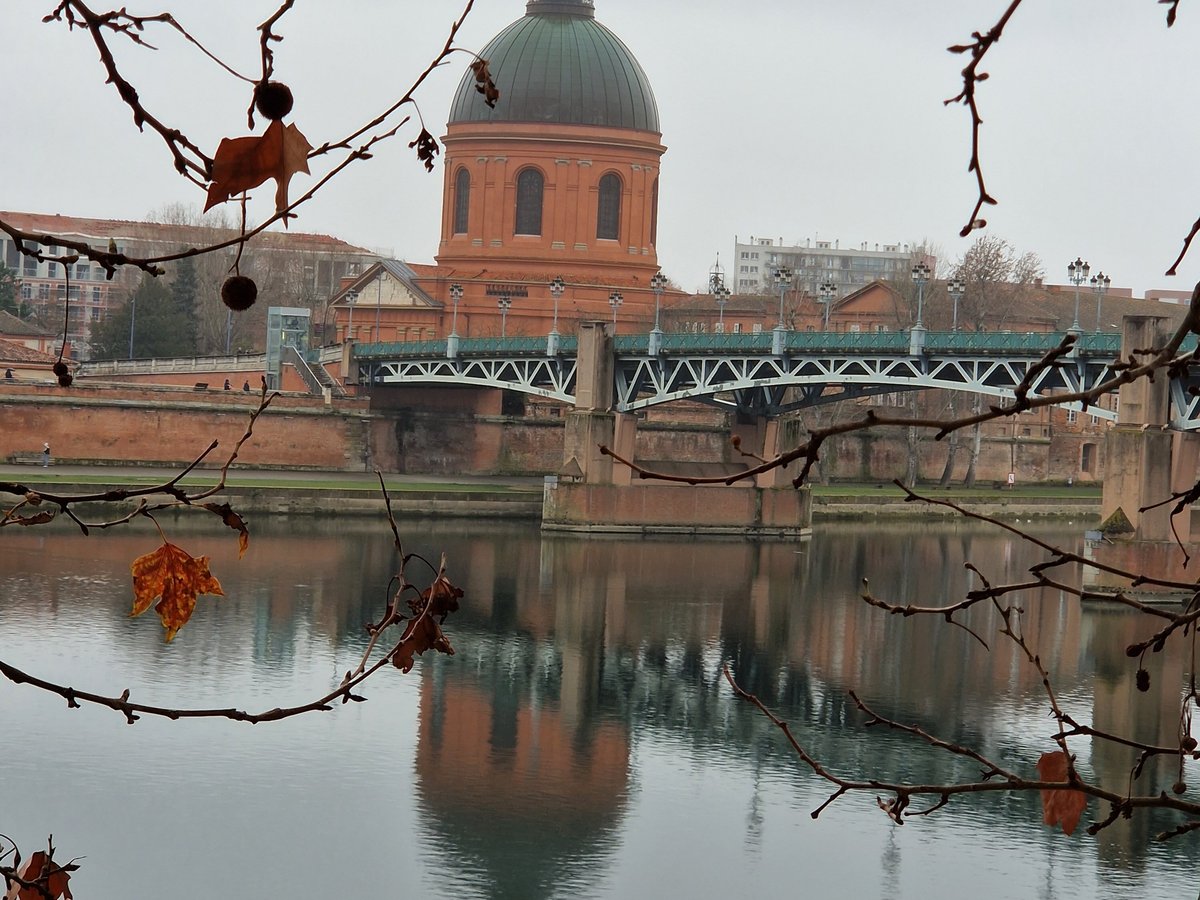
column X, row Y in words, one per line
column 654, row 214
column 608, row 211
column 462, row 200
column 529, row 202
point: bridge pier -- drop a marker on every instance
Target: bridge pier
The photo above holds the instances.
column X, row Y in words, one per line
column 595, row 494
column 1144, row 462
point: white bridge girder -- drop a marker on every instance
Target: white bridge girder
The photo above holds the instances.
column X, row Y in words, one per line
column 760, row 383
column 552, row 377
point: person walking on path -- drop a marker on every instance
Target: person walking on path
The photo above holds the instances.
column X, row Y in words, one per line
column 46, row 455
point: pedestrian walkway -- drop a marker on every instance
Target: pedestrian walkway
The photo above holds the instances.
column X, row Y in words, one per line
column 115, row 475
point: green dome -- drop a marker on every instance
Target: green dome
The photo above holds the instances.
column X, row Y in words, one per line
column 559, row 65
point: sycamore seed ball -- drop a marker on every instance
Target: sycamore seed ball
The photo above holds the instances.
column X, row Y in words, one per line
column 239, row 292
column 272, row 99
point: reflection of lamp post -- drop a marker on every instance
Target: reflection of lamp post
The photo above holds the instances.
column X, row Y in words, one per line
column 351, row 296
column 1077, row 273
column 721, row 295
column 504, row 302
column 956, row 288
column 557, row 286
column 1100, row 283
column 658, row 282
column 916, row 340
column 828, row 291
column 615, row 300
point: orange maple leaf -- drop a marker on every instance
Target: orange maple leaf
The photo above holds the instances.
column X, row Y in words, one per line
column 1062, row 806
column 246, row 162
column 47, row 879
column 174, row 577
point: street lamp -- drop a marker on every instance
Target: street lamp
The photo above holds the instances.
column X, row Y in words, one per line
column 351, row 296
column 615, row 300
column 1100, row 283
column 1077, row 273
column 456, row 293
column 504, row 302
column 721, row 295
column 132, row 319
column 828, row 291
column 783, row 276
column 916, row 341
column 956, row 288
column 557, row 286
column 658, row 282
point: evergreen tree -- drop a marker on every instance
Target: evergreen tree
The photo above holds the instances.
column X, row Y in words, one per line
column 8, row 293
column 158, row 329
column 184, row 295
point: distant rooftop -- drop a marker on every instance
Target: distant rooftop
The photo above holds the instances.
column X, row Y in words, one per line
column 51, row 226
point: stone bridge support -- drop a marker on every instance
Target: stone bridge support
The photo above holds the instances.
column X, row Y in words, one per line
column 1144, row 462
column 593, row 423
column 594, row 493
column 768, row 438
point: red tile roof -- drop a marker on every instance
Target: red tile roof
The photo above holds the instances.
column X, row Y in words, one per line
column 54, row 226
column 12, row 352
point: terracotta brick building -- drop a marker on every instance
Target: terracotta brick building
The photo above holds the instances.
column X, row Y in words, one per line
column 559, row 180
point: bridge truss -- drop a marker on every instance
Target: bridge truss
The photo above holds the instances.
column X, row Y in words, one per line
column 740, row 373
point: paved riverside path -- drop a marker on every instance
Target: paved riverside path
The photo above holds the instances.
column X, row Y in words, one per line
column 109, row 475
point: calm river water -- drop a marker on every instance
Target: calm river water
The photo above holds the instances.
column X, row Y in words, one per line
column 581, row 742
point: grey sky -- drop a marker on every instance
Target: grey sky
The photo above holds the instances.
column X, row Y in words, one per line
column 798, row 119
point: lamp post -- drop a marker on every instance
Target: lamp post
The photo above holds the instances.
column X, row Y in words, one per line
column 351, row 296
column 721, row 295
column 132, row 319
column 956, row 288
column 658, row 283
column 782, row 275
column 615, row 301
column 916, row 340
column 504, row 302
column 828, row 291
column 557, row 286
column 1077, row 273
column 456, row 293
column 1100, row 283
column 378, row 305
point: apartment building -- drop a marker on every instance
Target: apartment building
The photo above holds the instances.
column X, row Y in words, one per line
column 816, row 262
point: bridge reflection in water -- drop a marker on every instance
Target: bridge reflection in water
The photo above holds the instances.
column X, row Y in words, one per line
column 581, row 741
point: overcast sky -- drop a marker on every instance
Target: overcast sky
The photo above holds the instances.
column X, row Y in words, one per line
column 782, row 118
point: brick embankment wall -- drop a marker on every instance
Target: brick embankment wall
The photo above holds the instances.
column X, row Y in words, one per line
column 129, row 424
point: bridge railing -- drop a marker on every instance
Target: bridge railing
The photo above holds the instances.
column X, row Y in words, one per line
column 950, row 343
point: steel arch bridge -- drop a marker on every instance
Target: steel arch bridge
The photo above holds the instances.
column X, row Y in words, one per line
column 741, row 372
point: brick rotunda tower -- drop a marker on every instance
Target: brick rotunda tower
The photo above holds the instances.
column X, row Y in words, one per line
column 559, row 180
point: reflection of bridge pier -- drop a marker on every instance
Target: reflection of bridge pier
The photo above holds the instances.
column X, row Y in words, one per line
column 598, row 494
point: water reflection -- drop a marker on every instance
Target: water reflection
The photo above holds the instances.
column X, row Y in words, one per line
column 581, row 741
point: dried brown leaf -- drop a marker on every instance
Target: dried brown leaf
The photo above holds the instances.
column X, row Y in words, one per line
column 1061, row 807
column 246, row 162
column 234, row 521
column 484, row 83
column 175, row 578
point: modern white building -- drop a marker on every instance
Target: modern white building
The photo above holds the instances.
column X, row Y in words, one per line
column 815, row 262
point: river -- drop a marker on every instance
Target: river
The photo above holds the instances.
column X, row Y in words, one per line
column 581, row 742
